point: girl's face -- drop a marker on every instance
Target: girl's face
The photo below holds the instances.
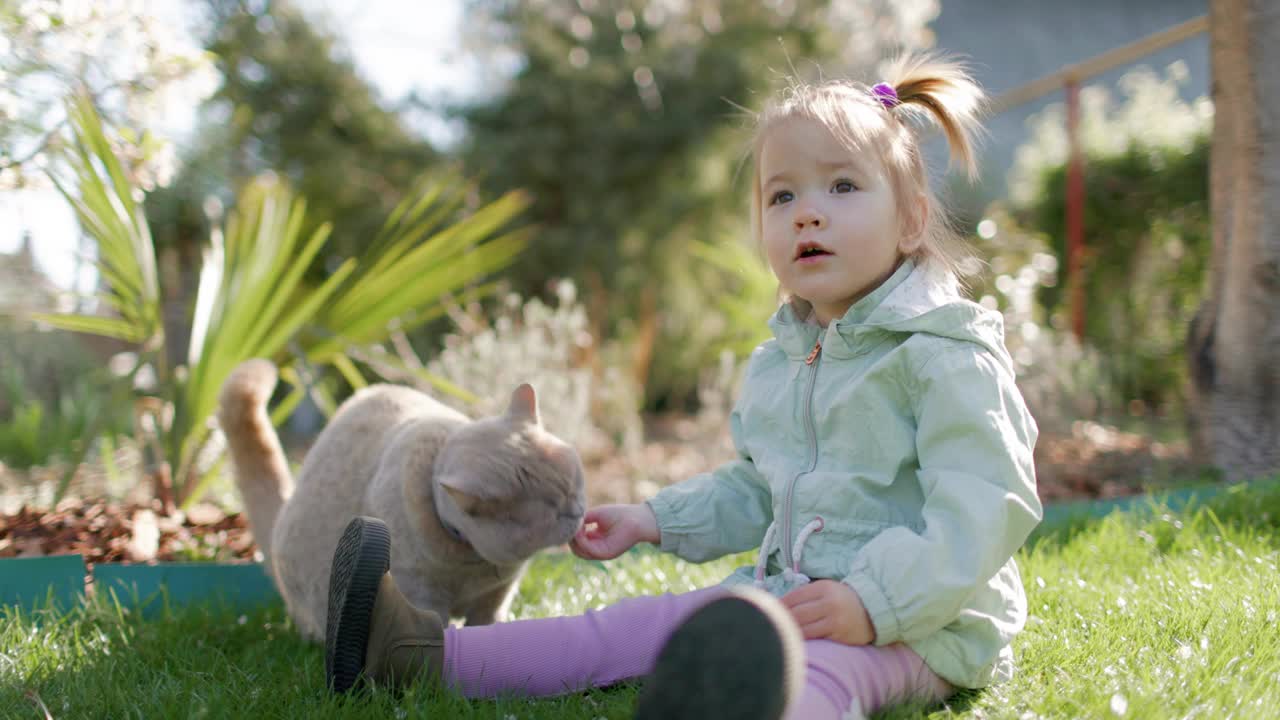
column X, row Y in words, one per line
column 829, row 220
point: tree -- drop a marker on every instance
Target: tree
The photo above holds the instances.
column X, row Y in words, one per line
column 132, row 67
column 624, row 122
column 1234, row 342
column 290, row 102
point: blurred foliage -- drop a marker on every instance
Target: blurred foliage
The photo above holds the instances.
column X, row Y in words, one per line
column 253, row 299
column 133, row 66
column 1147, row 227
column 583, row 397
column 1149, row 243
column 1061, row 380
column 56, row 399
column 750, row 295
column 290, row 101
column 624, row 121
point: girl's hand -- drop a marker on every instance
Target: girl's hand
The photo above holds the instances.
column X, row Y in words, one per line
column 831, row 610
column 610, row 530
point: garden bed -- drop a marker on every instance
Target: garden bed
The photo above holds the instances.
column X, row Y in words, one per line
column 1093, row 462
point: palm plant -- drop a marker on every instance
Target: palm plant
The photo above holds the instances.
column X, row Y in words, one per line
column 253, row 299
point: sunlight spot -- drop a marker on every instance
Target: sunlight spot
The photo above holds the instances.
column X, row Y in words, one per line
column 580, row 26
column 1119, row 705
column 1044, row 262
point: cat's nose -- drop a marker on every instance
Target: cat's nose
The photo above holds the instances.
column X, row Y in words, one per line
column 576, row 517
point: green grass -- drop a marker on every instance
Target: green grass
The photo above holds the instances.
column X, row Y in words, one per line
column 1160, row 615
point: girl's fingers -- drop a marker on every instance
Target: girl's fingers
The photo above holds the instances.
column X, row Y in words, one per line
column 816, row 629
column 596, row 549
column 808, row 612
column 586, row 547
column 801, row 595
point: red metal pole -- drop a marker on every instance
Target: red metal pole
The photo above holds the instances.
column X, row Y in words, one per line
column 1075, row 212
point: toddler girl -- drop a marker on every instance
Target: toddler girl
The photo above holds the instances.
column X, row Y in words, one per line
column 884, row 467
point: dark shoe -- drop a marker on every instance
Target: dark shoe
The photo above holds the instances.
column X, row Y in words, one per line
column 738, row 657
column 373, row 631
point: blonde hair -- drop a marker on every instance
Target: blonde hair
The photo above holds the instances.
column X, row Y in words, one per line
column 929, row 87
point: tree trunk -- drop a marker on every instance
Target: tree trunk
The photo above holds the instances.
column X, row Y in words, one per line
column 1234, row 342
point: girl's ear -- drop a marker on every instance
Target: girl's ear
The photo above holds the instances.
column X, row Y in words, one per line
column 913, row 225
column 524, row 404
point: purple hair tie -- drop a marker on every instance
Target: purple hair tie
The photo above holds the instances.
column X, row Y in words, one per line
column 885, row 93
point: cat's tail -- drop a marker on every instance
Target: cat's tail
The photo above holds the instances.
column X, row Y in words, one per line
column 261, row 469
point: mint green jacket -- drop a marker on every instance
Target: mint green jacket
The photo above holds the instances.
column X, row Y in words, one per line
column 895, row 457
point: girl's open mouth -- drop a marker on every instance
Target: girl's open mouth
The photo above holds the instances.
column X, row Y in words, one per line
column 811, row 252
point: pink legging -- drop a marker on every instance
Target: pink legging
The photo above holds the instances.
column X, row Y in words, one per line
column 553, row 656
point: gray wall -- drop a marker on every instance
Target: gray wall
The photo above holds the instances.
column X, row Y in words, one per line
column 1010, row 43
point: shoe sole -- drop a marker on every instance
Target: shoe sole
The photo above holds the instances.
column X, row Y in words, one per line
column 362, row 556
column 729, row 660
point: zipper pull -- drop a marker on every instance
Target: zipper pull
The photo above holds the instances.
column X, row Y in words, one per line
column 813, row 354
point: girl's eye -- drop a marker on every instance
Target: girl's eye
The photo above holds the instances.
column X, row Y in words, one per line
column 843, row 186
column 782, row 196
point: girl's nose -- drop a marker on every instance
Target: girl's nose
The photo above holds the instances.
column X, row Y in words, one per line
column 809, row 217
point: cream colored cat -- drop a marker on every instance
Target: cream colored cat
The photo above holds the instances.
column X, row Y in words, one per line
column 467, row 502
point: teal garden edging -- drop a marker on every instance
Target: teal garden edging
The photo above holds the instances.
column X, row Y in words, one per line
column 241, row 586
column 35, row 582
column 30, row 583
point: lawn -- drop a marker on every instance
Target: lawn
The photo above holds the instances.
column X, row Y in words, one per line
column 1149, row 615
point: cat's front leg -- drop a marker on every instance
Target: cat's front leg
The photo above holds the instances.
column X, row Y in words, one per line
column 492, row 606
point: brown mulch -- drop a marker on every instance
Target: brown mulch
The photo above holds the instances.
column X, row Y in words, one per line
column 1096, row 461
column 107, row 532
column 1093, row 461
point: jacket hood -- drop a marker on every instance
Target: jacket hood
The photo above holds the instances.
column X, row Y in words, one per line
column 917, row 298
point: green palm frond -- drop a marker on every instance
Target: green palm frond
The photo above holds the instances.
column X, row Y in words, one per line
column 105, row 205
column 254, row 298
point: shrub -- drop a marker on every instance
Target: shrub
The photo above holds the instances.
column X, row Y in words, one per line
column 1146, row 224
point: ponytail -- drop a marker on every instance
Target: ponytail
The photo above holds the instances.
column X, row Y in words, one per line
column 943, row 92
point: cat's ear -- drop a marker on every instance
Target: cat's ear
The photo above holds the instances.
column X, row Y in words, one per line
column 560, row 453
column 465, row 501
column 524, row 405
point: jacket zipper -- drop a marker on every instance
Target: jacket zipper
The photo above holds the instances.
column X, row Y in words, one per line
column 813, row 360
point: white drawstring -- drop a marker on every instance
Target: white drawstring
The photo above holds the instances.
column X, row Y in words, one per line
column 791, row 574
column 763, row 559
